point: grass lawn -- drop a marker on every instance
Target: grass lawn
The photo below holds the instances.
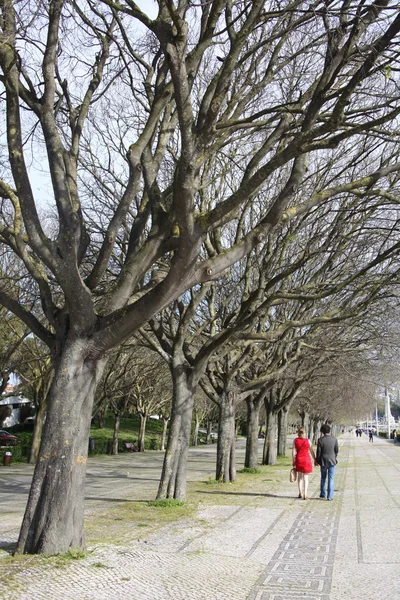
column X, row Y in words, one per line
column 128, row 432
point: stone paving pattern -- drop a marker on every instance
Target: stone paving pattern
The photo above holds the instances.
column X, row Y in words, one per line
column 257, row 545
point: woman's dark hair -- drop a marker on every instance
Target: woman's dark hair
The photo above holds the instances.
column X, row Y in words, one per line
column 325, row 428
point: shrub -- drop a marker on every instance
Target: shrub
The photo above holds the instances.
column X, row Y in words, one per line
column 20, row 452
column 153, row 444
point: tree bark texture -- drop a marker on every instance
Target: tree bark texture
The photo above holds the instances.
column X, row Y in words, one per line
column 282, row 430
column 196, row 428
column 314, row 430
column 209, row 431
column 173, row 476
column 101, row 417
column 270, row 449
column 226, row 458
column 117, row 422
column 53, row 520
column 37, row 433
column 164, row 434
column 253, row 413
column 142, row 432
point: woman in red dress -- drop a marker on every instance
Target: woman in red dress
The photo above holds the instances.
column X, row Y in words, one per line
column 301, row 456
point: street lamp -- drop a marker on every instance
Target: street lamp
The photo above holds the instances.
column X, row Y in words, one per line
column 387, row 402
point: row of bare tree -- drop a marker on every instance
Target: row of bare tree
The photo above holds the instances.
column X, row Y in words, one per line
column 136, row 381
column 218, row 178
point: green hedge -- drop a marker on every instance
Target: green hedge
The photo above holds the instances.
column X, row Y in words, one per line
column 20, row 452
column 102, row 443
column 383, row 434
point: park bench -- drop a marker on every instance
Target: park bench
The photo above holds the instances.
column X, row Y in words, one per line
column 130, row 447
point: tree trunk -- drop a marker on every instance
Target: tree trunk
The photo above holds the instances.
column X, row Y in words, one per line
column 209, row 431
column 5, row 412
column 117, row 422
column 226, row 460
column 53, row 520
column 196, row 428
column 37, row 432
column 173, row 477
column 164, row 434
column 253, row 413
column 269, row 454
column 101, row 417
column 314, row 430
column 305, row 422
column 142, row 431
column 282, row 430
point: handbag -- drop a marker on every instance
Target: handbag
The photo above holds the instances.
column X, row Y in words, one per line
column 293, row 474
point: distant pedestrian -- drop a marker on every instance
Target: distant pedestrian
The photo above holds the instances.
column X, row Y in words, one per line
column 327, row 451
column 302, row 454
column 394, row 436
column 370, row 435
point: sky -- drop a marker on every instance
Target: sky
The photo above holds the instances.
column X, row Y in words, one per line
column 148, row 6
column 39, row 174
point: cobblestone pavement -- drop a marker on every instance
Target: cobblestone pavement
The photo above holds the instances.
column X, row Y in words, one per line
column 253, row 543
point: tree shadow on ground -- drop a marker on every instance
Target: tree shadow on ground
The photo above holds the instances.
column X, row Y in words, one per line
column 119, row 500
column 116, row 500
column 261, row 494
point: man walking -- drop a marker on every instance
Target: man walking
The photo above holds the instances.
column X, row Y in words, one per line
column 327, row 451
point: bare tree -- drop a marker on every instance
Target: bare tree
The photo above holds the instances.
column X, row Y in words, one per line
column 36, row 374
column 134, row 381
column 343, row 387
column 151, row 393
column 13, row 334
column 114, row 390
column 285, row 81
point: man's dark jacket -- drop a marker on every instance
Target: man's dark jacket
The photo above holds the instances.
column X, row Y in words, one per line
column 327, row 450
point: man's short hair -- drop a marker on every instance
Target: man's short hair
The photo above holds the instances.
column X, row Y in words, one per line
column 325, row 428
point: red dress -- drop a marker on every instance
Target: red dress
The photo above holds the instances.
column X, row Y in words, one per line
column 303, row 460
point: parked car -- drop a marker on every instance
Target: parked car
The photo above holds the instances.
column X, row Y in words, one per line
column 6, row 439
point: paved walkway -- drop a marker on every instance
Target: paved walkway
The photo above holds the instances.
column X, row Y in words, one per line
column 254, row 542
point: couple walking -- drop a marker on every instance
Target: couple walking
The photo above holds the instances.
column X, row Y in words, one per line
column 327, row 450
